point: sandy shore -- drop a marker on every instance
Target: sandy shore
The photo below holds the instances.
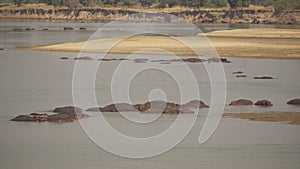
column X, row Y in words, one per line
column 289, row 117
column 244, row 43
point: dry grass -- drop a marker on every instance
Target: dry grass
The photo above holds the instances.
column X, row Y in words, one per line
column 137, row 8
column 289, row 117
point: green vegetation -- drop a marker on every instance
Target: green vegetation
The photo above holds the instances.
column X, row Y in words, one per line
column 238, row 3
column 277, row 4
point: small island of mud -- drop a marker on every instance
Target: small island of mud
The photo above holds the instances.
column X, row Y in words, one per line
column 287, row 117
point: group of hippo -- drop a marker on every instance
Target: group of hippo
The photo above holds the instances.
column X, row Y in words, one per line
column 45, row 29
column 162, row 61
column 266, row 103
column 60, row 114
column 240, row 74
column 71, row 113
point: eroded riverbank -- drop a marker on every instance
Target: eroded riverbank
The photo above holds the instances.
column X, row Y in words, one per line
column 256, row 15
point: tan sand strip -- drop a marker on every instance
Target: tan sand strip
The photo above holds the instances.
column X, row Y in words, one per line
column 243, row 43
column 289, row 117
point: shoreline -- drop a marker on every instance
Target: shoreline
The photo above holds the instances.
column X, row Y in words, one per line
column 240, row 43
column 292, row 118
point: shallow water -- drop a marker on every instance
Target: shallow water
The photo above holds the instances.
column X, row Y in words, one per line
column 39, row 80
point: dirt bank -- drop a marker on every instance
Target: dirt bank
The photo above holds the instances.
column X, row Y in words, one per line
column 93, row 14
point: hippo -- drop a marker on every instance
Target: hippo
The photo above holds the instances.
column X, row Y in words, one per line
column 294, row 102
column 241, row 102
column 263, row 77
column 23, row 118
column 195, row 104
column 266, row 103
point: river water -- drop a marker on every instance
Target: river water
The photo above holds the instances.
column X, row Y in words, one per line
column 38, row 80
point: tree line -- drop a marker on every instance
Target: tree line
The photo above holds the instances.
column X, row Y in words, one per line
column 277, row 4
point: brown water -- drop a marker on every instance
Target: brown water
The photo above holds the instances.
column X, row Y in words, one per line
column 39, row 80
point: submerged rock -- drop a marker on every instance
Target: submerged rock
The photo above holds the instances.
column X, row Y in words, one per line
column 294, row 102
column 241, row 102
column 23, row 118
column 266, row 103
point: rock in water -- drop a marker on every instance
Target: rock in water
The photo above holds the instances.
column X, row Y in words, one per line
column 23, row 118
column 241, row 102
column 294, row 102
column 266, row 103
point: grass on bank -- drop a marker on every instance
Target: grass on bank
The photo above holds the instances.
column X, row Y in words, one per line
column 137, row 8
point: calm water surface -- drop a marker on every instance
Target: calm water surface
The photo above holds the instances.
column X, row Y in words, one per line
column 39, row 80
